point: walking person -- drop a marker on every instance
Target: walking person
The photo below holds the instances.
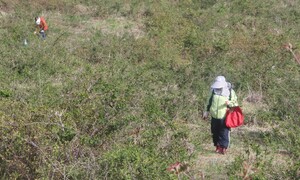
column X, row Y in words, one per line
column 221, row 98
column 41, row 26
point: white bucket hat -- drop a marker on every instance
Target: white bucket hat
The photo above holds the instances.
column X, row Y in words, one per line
column 220, row 78
column 220, row 82
column 38, row 21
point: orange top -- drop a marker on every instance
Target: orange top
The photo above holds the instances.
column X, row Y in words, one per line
column 43, row 25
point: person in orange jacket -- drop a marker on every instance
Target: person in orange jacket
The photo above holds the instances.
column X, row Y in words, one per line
column 41, row 26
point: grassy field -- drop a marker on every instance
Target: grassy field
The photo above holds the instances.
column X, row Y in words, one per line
column 117, row 89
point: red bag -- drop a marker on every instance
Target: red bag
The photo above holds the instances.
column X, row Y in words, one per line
column 234, row 117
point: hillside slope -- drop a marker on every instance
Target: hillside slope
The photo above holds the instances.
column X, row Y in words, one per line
column 117, row 89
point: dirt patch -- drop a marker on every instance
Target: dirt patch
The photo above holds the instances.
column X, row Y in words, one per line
column 5, row 9
column 3, row 14
column 80, row 9
column 213, row 165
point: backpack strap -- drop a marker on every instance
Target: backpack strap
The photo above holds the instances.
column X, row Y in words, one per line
column 211, row 98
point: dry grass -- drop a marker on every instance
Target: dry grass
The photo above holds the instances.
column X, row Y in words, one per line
column 81, row 9
column 118, row 26
column 3, row 13
column 82, row 31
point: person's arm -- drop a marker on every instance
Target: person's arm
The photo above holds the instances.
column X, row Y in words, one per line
column 205, row 113
column 37, row 29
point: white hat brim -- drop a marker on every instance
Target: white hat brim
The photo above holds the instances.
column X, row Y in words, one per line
column 218, row 84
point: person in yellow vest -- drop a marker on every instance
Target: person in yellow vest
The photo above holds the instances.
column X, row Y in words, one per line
column 221, row 98
column 41, row 26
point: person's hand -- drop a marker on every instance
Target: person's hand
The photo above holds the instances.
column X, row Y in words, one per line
column 34, row 32
column 205, row 115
